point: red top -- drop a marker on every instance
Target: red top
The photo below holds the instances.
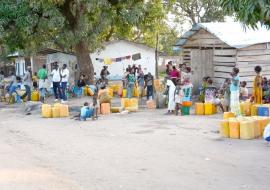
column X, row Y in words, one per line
column 175, row 74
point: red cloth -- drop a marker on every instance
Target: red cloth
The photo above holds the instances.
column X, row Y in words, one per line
column 175, row 74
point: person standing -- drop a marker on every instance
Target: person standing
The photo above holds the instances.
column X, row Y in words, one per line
column 56, row 79
column 64, row 81
column 234, row 88
column 42, row 76
column 131, row 82
column 104, row 74
column 171, row 91
column 27, row 84
column 174, row 75
column 149, row 86
column 257, row 86
column 141, row 84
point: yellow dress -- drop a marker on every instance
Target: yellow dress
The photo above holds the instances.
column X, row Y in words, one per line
column 257, row 90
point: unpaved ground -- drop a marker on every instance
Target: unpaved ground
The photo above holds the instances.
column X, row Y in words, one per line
column 142, row 151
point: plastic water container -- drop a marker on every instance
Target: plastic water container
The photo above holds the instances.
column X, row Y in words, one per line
column 136, row 92
column 124, row 93
column 224, row 129
column 110, row 92
column 133, row 102
column 132, row 109
column 263, row 111
column 227, row 115
column 247, row 129
column 116, row 109
column 254, row 109
column 46, row 111
column 125, row 102
column 234, row 126
column 209, row 108
column 35, row 96
column 185, row 110
column 105, row 109
column 257, row 129
column 199, row 108
column 245, row 108
column 151, row 104
column 64, row 111
column 56, row 112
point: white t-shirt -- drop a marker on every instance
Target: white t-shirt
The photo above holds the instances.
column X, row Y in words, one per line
column 65, row 73
column 56, row 75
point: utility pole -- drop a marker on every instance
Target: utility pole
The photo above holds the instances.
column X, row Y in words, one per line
column 156, row 55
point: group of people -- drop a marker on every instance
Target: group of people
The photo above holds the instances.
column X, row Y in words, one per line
column 179, row 86
column 57, row 79
column 233, row 91
column 134, row 77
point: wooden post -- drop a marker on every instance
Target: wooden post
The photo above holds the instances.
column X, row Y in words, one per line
column 156, row 56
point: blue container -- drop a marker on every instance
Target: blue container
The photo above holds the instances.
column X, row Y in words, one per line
column 263, row 111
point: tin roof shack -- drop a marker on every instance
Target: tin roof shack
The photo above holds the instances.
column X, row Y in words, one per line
column 213, row 49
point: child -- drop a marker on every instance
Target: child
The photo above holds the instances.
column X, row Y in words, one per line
column 103, row 95
column 95, row 104
column 225, row 91
column 265, row 89
column 257, row 86
column 35, row 81
column 211, row 95
column 149, row 85
column 187, row 90
column 86, row 112
column 243, row 91
column 202, row 89
column 178, row 96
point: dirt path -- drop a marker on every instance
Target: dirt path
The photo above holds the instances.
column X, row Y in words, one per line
column 141, row 151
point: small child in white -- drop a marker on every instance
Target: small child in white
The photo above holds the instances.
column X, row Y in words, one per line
column 266, row 133
column 178, row 96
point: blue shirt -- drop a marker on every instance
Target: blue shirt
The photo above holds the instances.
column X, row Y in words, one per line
column 234, row 87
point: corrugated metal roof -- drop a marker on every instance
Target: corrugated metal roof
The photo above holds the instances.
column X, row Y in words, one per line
column 232, row 33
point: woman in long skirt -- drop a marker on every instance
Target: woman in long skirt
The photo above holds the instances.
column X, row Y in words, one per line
column 171, row 103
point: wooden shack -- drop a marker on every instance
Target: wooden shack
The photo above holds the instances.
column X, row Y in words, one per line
column 213, row 49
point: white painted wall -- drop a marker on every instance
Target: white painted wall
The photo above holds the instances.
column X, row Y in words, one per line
column 20, row 66
column 123, row 48
column 63, row 58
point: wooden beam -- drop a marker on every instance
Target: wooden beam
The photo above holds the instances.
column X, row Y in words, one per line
column 257, row 46
column 223, row 68
column 224, row 59
column 229, row 52
column 224, row 64
column 253, row 52
column 254, row 58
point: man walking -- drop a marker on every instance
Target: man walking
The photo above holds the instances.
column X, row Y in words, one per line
column 56, row 79
column 27, row 83
column 64, row 81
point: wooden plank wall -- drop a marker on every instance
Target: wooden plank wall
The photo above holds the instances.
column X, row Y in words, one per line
column 202, row 65
column 248, row 58
column 223, row 60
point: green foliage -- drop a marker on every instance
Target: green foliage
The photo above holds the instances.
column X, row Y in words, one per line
column 197, row 11
column 249, row 11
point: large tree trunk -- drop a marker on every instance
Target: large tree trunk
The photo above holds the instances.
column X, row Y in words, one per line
column 84, row 61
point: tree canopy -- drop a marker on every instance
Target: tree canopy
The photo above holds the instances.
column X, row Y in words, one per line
column 250, row 12
column 197, row 11
column 77, row 25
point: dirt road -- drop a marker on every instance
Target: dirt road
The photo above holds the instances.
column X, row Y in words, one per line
column 142, row 151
